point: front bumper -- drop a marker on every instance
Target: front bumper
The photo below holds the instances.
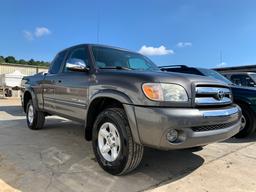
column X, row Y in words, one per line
column 154, row 124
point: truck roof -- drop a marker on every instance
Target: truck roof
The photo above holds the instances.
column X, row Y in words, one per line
column 98, row 45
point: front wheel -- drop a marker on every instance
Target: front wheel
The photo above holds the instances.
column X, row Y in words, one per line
column 113, row 145
column 35, row 118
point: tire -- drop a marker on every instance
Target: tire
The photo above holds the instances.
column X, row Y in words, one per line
column 35, row 119
column 250, row 122
column 129, row 153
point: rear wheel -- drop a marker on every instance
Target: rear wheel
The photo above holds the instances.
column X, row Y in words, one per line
column 248, row 125
column 113, row 145
column 35, row 118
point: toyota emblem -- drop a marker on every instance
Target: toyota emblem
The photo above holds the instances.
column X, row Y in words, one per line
column 220, row 95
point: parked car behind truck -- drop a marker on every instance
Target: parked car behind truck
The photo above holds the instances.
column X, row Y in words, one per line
column 244, row 79
column 126, row 103
column 245, row 97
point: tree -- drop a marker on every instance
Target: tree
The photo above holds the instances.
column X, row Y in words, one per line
column 42, row 63
column 22, row 61
column 2, row 59
column 31, row 62
column 10, row 59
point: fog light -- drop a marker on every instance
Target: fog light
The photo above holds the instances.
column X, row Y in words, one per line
column 172, row 135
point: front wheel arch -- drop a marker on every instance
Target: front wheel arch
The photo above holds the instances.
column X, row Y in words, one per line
column 96, row 106
column 102, row 102
column 130, row 153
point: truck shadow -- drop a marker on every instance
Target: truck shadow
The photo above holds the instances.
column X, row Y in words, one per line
column 156, row 166
column 249, row 139
column 15, row 110
column 169, row 165
column 62, row 147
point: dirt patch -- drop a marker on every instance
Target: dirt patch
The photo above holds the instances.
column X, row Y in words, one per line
column 4, row 187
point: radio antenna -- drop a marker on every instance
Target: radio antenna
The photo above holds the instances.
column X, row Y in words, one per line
column 221, row 57
column 98, row 26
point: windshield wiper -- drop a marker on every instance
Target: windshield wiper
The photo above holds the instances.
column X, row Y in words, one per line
column 116, row 67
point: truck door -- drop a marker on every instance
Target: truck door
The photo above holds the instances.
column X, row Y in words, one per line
column 71, row 90
column 49, row 82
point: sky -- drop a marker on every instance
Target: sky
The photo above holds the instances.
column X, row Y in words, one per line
column 200, row 33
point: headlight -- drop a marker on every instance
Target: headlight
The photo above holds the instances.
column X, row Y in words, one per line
column 165, row 92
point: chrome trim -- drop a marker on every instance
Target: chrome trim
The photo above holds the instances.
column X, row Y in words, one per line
column 71, row 103
column 211, row 90
column 61, row 101
column 74, row 64
column 221, row 112
column 213, row 96
column 212, row 101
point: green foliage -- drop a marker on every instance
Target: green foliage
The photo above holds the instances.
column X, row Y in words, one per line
column 22, row 61
column 31, row 62
column 12, row 60
column 2, row 59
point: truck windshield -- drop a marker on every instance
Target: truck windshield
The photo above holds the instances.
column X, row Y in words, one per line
column 110, row 58
column 214, row 74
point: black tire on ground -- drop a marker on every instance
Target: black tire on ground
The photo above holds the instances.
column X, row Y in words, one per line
column 250, row 126
column 38, row 117
column 130, row 153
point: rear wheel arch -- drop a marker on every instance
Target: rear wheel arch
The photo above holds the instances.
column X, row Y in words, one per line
column 27, row 97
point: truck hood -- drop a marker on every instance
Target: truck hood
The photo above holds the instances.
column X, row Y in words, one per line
column 166, row 77
column 130, row 81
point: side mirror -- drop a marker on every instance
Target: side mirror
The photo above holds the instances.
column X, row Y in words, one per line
column 76, row 65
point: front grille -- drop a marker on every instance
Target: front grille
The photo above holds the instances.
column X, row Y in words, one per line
column 209, row 96
column 213, row 127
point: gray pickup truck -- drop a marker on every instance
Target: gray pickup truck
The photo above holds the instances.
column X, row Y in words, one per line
column 125, row 103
